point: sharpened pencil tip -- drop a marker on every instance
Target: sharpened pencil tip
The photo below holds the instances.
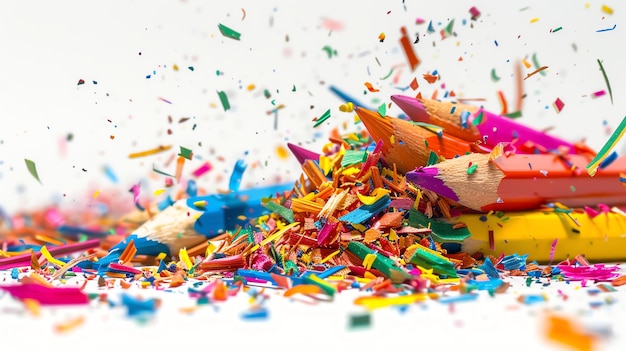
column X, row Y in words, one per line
column 302, row 154
column 379, row 128
column 426, row 177
column 412, row 107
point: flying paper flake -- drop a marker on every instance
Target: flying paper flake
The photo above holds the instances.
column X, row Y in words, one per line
column 186, row 153
column 330, row 51
column 205, row 167
column 388, row 74
column 598, row 93
column 494, row 76
column 536, row 64
column 606, row 80
column 474, row 12
column 606, row 9
column 323, row 118
column 371, row 88
column 606, row 29
column 32, row 169
column 447, row 31
column 136, row 190
column 558, row 105
column 235, row 177
column 224, row 100
column 228, row 32
column 430, row 78
column 407, row 47
column 540, row 69
column 431, row 29
column 382, row 109
column 150, row 152
column 282, row 152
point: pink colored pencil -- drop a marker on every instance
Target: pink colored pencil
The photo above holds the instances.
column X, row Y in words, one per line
column 473, row 123
column 24, row 259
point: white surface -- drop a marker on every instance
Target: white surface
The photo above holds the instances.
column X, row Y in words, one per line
column 487, row 323
column 49, row 46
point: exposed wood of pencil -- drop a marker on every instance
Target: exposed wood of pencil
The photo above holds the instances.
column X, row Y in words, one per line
column 404, row 143
column 521, row 181
column 173, row 227
column 494, row 129
column 442, row 114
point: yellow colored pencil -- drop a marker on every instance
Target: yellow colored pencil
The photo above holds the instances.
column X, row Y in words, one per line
column 601, row 238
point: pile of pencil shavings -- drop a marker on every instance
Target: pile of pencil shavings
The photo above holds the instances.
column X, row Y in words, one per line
column 350, row 211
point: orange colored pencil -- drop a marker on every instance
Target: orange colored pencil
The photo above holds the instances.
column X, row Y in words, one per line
column 444, row 114
column 408, row 145
column 485, row 182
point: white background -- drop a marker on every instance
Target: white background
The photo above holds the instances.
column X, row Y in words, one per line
column 48, row 46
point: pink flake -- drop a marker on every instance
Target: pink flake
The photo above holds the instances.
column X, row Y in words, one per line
column 558, row 104
column 598, row 93
column 205, row 167
column 474, row 12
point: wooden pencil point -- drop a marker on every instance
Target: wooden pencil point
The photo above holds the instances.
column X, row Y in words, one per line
column 408, row 145
column 507, row 183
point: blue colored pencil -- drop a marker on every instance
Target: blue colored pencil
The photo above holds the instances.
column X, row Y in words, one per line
column 189, row 222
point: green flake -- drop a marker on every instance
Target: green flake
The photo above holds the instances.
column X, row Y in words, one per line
column 516, row 114
column 478, row 119
column 224, row 100
column 32, row 168
column 432, row 158
column 154, row 169
column 442, row 231
column 228, row 32
column 439, row 265
column 606, row 80
column 291, row 267
column 471, row 169
column 353, row 157
column 536, row 64
column 186, row 153
column 360, row 321
column 449, row 27
column 382, row 109
column 322, row 119
column 282, row 211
